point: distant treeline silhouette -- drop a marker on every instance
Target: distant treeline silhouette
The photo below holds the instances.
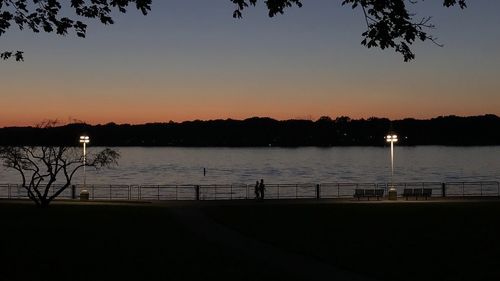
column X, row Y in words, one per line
column 342, row 131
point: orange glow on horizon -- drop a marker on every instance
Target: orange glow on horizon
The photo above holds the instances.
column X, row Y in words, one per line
column 161, row 102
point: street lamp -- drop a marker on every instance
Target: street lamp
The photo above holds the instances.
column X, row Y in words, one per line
column 392, row 138
column 84, row 194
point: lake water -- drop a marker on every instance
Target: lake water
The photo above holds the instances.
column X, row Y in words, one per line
column 173, row 165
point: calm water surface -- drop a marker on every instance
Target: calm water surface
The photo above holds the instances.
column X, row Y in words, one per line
column 168, row 165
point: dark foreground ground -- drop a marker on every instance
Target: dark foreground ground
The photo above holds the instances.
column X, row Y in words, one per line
column 251, row 241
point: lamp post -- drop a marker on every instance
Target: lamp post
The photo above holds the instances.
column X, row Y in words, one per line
column 392, row 138
column 84, row 194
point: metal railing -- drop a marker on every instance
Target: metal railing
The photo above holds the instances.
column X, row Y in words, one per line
column 245, row 191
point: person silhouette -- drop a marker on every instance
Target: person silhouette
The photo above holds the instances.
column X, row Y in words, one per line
column 256, row 190
column 262, row 189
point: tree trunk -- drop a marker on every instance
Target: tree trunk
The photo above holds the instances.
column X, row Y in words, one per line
column 44, row 203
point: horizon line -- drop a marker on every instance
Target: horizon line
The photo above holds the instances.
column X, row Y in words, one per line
column 81, row 122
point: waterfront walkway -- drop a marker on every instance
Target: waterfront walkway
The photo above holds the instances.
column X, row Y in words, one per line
column 302, row 267
column 273, row 191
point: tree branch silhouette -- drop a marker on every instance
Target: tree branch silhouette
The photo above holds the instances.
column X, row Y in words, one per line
column 390, row 24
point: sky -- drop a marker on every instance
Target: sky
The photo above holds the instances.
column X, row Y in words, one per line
column 189, row 59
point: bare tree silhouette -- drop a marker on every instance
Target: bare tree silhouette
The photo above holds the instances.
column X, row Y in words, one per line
column 40, row 167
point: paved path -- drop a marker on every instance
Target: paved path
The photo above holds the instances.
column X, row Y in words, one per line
column 304, row 268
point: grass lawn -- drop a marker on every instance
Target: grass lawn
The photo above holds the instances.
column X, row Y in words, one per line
column 80, row 242
column 430, row 241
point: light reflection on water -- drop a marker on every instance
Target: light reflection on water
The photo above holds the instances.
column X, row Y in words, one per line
column 172, row 165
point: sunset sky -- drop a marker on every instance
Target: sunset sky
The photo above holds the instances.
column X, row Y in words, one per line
column 189, row 59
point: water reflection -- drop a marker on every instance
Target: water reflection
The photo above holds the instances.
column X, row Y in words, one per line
column 294, row 165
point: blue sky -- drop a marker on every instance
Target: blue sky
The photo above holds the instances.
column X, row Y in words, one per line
column 192, row 60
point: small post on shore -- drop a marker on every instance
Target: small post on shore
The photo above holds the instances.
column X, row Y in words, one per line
column 443, row 189
column 318, row 191
column 197, row 192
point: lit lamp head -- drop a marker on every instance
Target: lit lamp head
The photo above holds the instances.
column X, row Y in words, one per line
column 84, row 139
column 391, row 138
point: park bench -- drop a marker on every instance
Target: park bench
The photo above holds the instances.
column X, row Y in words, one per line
column 417, row 192
column 369, row 193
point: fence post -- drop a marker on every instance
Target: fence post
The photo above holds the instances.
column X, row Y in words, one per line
column 278, row 191
column 128, row 193
column 158, row 193
column 443, row 189
column 197, row 192
column 318, row 192
column 338, row 190
column 73, row 191
column 463, row 189
column 481, row 183
column 9, row 191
